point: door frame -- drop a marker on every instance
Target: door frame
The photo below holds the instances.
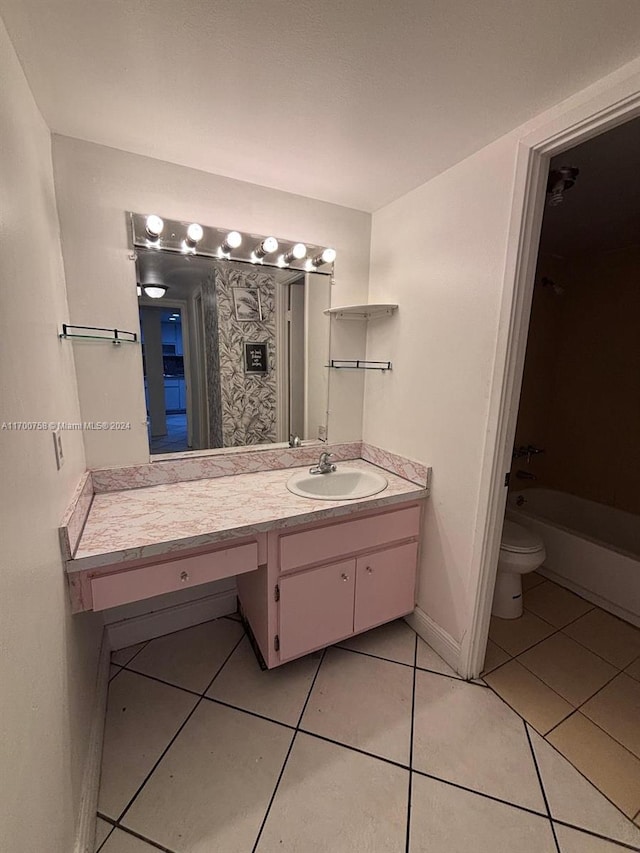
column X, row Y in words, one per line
column 608, row 103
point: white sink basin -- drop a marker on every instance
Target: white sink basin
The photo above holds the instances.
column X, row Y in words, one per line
column 344, row 484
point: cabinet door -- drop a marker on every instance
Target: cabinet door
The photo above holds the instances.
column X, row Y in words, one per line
column 316, row 608
column 385, row 586
column 171, row 395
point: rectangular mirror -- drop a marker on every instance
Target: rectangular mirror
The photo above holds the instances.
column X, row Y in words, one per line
column 233, row 354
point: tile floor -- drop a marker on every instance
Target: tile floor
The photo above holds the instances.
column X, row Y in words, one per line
column 572, row 671
column 373, row 745
column 175, row 440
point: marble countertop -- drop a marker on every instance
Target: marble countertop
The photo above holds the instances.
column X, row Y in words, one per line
column 147, row 522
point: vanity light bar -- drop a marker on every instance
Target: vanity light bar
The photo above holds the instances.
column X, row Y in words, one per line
column 150, row 231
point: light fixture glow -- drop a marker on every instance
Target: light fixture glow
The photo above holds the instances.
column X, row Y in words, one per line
column 327, row 256
column 155, row 291
column 155, row 226
column 281, row 261
column 195, row 233
column 297, row 253
column 231, row 241
column 268, row 246
column 139, row 289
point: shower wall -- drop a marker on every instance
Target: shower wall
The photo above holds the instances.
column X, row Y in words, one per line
column 581, row 388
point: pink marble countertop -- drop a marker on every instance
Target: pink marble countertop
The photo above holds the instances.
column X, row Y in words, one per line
column 137, row 523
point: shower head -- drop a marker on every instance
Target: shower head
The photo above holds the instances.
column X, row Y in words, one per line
column 559, row 181
column 558, row 289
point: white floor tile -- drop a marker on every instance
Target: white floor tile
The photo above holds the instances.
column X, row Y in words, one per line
column 616, row 709
column 142, row 717
column 123, row 656
column 212, row 788
column 190, row 658
column 102, row 830
column 363, row 702
column 573, row 799
column 446, row 819
column 574, row 841
column 469, row 736
column 278, row 693
column 395, row 641
column 122, row 842
column 430, row 660
column 334, row 800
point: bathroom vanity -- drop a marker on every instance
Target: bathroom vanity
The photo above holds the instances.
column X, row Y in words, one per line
column 309, row 572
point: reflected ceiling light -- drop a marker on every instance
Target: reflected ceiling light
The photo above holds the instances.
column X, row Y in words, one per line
column 231, row 241
column 139, row 289
column 297, row 253
column 155, row 226
column 195, row 233
column 327, row 256
column 268, row 246
column 155, row 291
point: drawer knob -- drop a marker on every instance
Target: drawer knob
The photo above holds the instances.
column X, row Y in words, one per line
column 184, row 576
column 344, row 577
column 369, row 570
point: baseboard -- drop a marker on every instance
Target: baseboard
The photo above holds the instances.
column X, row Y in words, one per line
column 138, row 629
column 593, row 597
column 86, row 831
column 435, row 636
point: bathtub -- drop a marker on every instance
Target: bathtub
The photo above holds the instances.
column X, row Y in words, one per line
column 592, row 549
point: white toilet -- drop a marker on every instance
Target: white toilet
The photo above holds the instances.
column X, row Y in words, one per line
column 521, row 551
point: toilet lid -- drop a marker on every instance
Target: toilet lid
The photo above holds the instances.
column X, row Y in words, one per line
column 519, row 540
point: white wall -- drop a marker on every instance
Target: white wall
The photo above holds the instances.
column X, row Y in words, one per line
column 445, row 253
column 94, row 187
column 49, row 658
column 433, row 405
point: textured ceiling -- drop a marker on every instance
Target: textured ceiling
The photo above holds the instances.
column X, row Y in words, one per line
column 350, row 101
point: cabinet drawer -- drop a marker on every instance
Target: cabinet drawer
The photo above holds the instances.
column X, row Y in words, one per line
column 316, row 608
column 333, row 541
column 147, row 581
column 385, row 586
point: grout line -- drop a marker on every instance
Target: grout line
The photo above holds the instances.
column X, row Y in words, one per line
column 370, row 655
column 144, row 838
column 479, row 793
column 106, row 838
column 250, row 713
column 604, row 731
column 286, row 758
column 577, row 769
column 622, row 844
column 413, row 711
column 355, row 749
column 184, row 723
column 162, row 681
column 408, row 665
column 541, row 783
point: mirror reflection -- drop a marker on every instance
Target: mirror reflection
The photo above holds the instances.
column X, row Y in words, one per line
column 233, row 354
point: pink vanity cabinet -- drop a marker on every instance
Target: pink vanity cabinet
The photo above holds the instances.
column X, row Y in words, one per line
column 134, row 580
column 328, row 580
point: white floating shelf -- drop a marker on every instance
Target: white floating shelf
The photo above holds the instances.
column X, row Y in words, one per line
column 362, row 312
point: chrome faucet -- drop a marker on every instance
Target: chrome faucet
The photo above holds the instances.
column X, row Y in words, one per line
column 323, row 466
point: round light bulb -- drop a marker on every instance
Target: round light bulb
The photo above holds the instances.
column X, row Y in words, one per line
column 299, row 251
column 329, row 256
column 195, row 233
column 233, row 240
column 155, row 226
column 269, row 245
column 155, row 291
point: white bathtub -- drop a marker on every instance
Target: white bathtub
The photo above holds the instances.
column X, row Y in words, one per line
column 592, row 549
